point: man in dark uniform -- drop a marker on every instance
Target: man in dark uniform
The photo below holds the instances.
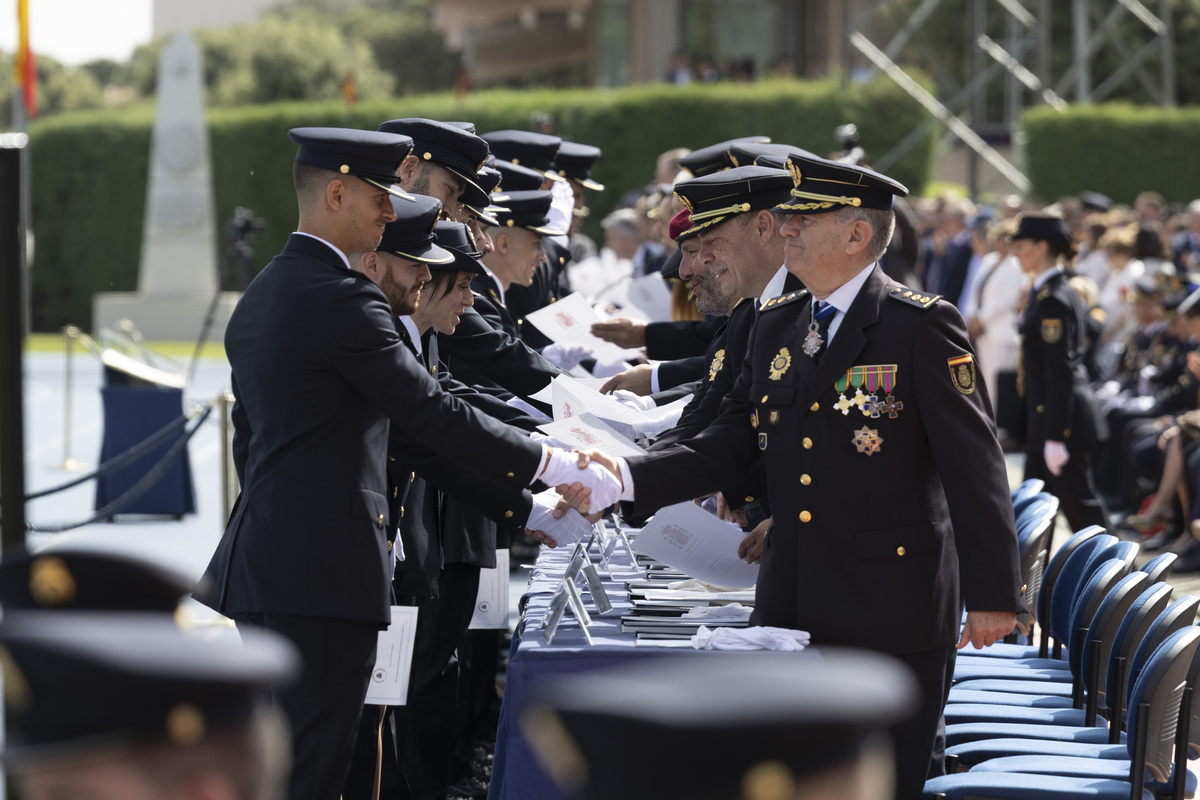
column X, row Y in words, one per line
column 1064, row 418
column 740, row 247
column 677, row 339
column 427, row 499
column 516, row 256
column 318, row 371
column 887, row 482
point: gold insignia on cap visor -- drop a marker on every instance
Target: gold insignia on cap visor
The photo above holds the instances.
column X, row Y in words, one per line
column 794, row 169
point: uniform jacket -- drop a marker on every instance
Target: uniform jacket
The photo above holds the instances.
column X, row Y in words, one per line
column 483, row 355
column 1059, row 403
column 491, row 307
column 875, row 518
column 467, row 508
column 317, row 371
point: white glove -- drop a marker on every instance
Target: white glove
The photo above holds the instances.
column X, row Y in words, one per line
column 1056, row 457
column 563, row 467
column 631, row 400
column 565, row 356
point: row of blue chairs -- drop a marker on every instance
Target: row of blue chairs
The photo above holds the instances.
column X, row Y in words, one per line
column 1106, row 710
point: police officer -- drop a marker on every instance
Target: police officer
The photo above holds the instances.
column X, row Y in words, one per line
column 516, row 256
column 1064, row 418
column 886, row 479
column 318, row 371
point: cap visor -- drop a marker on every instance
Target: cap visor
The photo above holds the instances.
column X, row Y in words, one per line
column 545, row 231
column 670, row 267
column 472, row 194
column 554, row 176
column 427, row 254
column 485, row 215
column 393, row 190
column 463, row 263
column 588, row 183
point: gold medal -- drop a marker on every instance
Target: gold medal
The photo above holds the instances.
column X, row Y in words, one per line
column 715, row 367
column 780, row 364
column 867, row 440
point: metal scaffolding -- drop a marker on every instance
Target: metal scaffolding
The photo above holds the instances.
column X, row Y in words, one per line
column 1022, row 61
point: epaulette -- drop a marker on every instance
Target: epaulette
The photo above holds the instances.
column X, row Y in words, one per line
column 784, row 299
column 913, row 298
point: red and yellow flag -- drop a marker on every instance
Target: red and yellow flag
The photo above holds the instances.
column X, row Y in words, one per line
column 25, row 66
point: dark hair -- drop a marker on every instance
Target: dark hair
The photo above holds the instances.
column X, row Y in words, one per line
column 1148, row 243
column 440, row 283
column 306, row 178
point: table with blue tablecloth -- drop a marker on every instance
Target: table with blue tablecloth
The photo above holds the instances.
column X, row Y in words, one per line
column 516, row 774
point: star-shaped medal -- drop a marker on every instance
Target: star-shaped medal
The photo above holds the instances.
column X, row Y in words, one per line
column 867, row 440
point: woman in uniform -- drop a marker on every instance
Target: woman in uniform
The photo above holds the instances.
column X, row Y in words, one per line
column 1065, row 422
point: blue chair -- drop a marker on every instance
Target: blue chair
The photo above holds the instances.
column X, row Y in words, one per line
column 1088, row 540
column 1110, row 590
column 1151, row 750
column 1159, row 568
column 972, row 743
column 1092, row 669
column 1033, row 509
column 1073, row 576
column 1027, row 489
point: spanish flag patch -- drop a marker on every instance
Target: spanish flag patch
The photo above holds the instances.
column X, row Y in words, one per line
column 962, row 372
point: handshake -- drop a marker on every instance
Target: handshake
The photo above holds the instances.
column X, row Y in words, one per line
column 586, row 480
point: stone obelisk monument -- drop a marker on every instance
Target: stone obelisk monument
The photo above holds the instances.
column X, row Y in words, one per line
column 178, row 276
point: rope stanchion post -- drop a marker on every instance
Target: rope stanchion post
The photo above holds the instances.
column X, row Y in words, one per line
column 229, row 484
column 70, row 334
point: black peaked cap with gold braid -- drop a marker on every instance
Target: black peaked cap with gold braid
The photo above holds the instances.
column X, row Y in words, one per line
column 714, row 198
column 821, row 185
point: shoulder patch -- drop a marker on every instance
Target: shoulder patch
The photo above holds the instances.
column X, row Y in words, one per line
column 918, row 299
column 784, row 299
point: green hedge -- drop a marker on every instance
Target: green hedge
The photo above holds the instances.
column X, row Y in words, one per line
column 1116, row 148
column 89, row 169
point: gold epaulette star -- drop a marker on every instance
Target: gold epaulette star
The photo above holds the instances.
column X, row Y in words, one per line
column 784, row 299
column 917, row 299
